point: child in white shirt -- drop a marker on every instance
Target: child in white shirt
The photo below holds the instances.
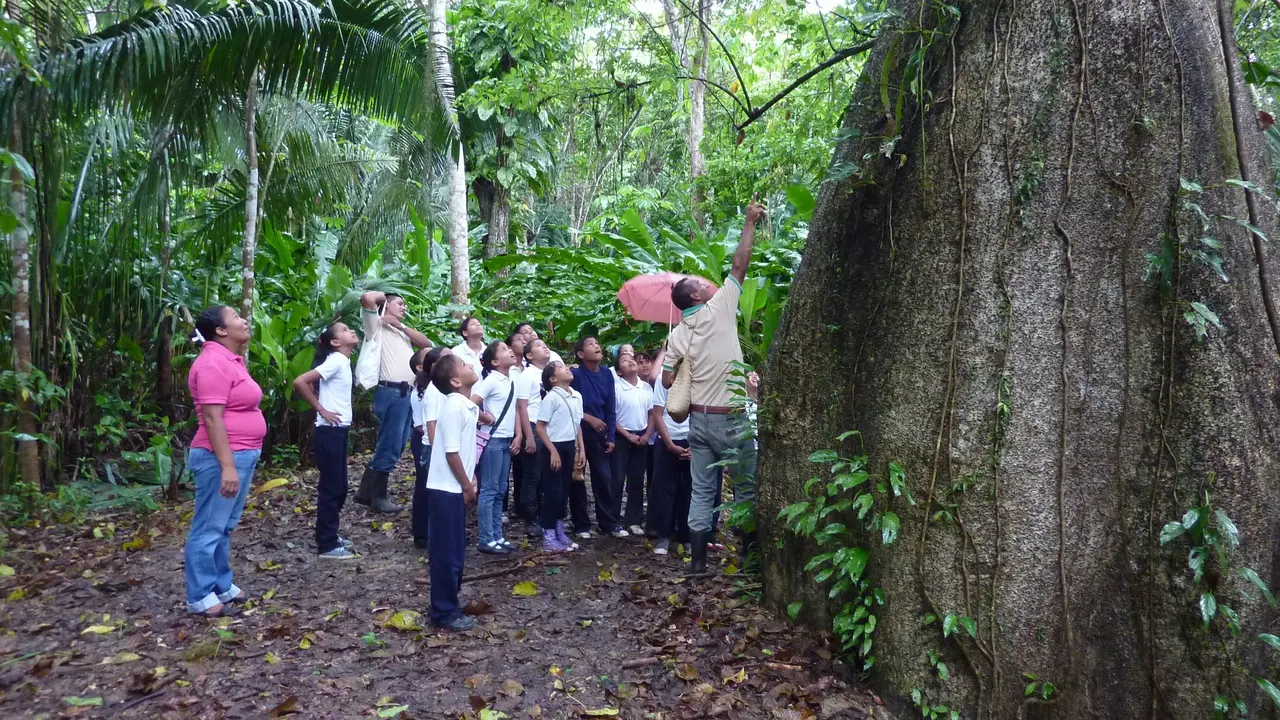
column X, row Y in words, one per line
column 451, row 486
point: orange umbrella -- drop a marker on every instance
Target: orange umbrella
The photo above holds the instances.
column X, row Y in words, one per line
column 648, row 297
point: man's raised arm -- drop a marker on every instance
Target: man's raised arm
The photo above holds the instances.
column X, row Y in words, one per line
column 371, row 299
column 742, row 256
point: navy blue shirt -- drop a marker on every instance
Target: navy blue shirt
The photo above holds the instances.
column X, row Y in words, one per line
column 598, row 398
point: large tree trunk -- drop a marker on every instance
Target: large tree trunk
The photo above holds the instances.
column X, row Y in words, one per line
column 977, row 301
column 697, row 111
column 20, row 267
column 250, row 245
column 459, row 258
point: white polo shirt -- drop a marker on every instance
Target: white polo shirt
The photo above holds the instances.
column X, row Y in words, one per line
column 675, row 430
column 425, row 409
column 455, row 432
column 493, row 392
column 335, row 389
column 529, row 381
column 561, row 410
column 471, row 357
column 633, row 404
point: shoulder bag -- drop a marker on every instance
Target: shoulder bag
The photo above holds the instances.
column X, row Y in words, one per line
column 482, row 436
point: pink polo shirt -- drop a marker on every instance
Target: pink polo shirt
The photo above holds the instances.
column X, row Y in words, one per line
column 219, row 377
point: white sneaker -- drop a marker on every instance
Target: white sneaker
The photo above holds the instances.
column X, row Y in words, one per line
column 338, row 553
column 584, row 535
column 636, row 530
column 620, row 533
column 660, row 547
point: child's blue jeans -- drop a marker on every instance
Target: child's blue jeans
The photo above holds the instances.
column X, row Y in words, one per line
column 494, row 467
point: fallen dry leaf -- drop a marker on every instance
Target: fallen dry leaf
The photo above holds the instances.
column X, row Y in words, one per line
column 602, row 712
column 736, row 678
column 98, row 630
column 6, row 571
column 288, row 707
column 305, row 642
column 405, row 620
column 270, row 485
column 685, row 671
column 526, row 588
column 511, row 688
column 121, row 658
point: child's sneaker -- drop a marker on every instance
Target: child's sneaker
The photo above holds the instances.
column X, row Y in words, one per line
column 493, row 548
column 345, row 542
column 618, row 532
column 338, row 553
column 661, row 547
column 506, row 543
column 552, row 544
column 636, row 530
column 564, row 538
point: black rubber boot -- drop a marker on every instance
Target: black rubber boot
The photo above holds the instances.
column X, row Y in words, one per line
column 382, row 503
column 698, row 549
column 364, row 495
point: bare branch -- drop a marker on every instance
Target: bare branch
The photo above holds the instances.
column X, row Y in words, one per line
column 753, row 115
column 707, row 26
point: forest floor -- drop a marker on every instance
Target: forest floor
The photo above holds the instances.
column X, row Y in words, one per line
column 94, row 626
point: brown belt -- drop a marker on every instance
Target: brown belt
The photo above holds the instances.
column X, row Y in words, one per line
column 710, row 409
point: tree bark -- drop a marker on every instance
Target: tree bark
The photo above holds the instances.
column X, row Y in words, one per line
column 977, row 298
column 498, row 241
column 20, row 267
column 250, row 243
column 459, row 257
column 697, row 114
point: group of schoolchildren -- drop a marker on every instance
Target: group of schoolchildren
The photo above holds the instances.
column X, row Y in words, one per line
column 477, row 410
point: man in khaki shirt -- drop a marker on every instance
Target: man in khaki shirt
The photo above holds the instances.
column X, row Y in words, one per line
column 383, row 315
column 707, row 338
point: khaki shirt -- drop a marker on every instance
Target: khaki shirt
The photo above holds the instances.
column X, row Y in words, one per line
column 394, row 345
column 707, row 337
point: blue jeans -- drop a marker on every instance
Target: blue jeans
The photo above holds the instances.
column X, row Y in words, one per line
column 495, row 465
column 394, row 424
column 208, row 551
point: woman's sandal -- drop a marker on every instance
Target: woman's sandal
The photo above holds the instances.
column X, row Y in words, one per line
column 226, row 610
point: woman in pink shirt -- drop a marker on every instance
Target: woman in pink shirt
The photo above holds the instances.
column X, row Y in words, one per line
column 223, row 455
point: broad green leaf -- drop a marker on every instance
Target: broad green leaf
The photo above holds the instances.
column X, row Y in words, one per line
column 1271, row 690
column 793, row 610
column 802, row 198
column 970, row 625
column 889, row 524
column 1252, row 576
column 1208, row 607
column 948, row 625
column 1270, row 640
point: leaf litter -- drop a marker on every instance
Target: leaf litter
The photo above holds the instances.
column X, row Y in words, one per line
column 575, row 643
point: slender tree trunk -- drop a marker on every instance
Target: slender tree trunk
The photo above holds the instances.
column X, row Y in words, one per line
column 499, row 241
column 1002, row 293
column 459, row 254
column 250, row 244
column 20, row 266
column 678, row 31
column 164, row 341
column 697, row 114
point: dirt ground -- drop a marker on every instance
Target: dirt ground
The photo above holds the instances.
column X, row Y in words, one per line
column 94, row 626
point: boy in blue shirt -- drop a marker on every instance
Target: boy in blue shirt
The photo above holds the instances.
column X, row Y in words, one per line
column 595, row 384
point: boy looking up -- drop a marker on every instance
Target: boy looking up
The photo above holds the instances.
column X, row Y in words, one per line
column 451, row 485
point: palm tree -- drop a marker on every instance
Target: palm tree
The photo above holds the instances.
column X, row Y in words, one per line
column 456, row 226
column 181, row 71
